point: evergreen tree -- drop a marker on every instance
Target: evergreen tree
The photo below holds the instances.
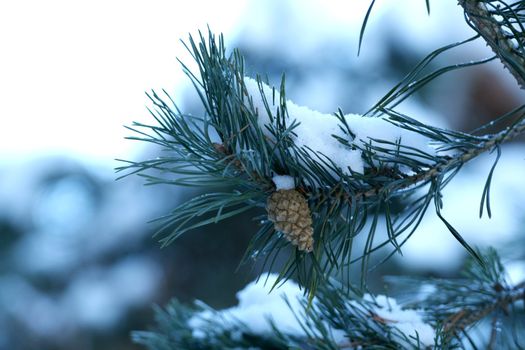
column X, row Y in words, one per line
column 319, row 182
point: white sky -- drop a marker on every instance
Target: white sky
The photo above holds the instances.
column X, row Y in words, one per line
column 72, row 73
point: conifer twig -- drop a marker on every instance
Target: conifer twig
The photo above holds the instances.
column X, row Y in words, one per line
column 465, row 318
column 492, row 30
column 491, row 142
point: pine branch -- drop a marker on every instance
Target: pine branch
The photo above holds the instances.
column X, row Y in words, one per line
column 491, row 141
column 466, row 318
column 459, row 305
column 247, row 153
column 500, row 24
column 248, row 135
column 342, row 318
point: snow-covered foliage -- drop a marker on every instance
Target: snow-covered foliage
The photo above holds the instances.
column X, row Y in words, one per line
column 257, row 308
column 409, row 322
column 316, row 133
column 260, row 308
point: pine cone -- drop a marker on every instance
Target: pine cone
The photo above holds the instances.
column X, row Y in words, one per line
column 289, row 212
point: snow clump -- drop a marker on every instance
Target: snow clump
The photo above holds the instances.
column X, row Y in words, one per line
column 408, row 321
column 283, row 182
column 257, row 306
column 316, row 130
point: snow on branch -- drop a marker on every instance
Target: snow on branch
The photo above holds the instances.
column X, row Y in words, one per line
column 320, row 135
column 258, row 308
column 435, row 314
column 262, row 310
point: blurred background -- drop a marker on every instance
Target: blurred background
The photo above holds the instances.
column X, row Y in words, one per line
column 78, row 266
